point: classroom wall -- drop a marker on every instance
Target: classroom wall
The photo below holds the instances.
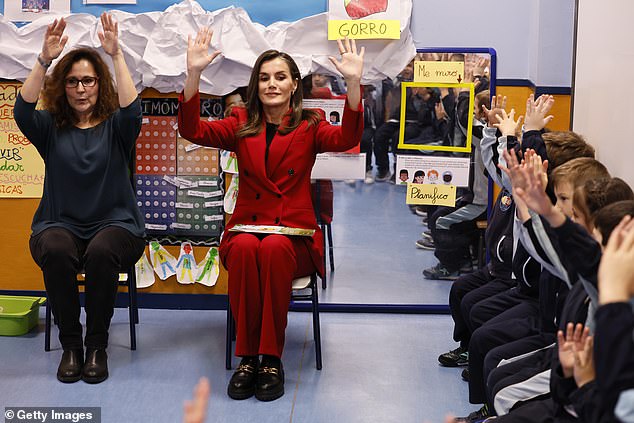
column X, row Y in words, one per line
column 533, row 38
column 603, row 90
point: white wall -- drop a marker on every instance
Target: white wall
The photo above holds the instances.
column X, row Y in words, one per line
column 533, row 38
column 603, row 89
column 554, row 43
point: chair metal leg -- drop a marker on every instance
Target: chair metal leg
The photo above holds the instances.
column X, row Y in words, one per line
column 47, row 333
column 133, row 297
column 229, row 337
column 324, row 278
column 316, row 325
column 331, row 252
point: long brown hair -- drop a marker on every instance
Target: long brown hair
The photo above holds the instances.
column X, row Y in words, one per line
column 54, row 93
column 253, row 126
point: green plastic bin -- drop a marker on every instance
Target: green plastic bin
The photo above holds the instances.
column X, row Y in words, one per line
column 18, row 315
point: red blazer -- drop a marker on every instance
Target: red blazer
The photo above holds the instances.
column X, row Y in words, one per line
column 281, row 195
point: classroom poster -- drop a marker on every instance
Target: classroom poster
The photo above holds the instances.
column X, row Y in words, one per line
column 30, row 10
column 364, row 19
column 432, row 170
column 347, row 165
column 21, row 167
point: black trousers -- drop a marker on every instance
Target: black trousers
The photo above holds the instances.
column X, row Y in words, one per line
column 543, row 411
column 500, row 302
column 386, row 136
column 367, row 141
column 467, row 291
column 496, row 332
column 517, row 382
column 61, row 255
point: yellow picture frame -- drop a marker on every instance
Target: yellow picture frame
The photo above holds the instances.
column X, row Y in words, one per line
column 401, row 132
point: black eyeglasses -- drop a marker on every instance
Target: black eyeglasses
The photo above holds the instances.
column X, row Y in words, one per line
column 88, row 81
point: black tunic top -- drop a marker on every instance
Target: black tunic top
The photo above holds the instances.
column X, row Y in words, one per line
column 87, row 183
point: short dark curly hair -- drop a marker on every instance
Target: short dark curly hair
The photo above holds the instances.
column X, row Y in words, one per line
column 54, row 92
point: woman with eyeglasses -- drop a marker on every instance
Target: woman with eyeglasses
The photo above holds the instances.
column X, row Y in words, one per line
column 88, row 220
column 276, row 141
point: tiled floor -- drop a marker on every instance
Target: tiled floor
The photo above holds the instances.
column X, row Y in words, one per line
column 377, row 368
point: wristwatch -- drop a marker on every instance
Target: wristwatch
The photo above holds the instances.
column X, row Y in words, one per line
column 44, row 64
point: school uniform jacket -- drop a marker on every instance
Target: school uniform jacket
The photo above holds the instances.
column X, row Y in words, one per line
column 278, row 192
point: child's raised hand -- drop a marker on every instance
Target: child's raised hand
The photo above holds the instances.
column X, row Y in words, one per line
column 565, row 346
column 537, row 112
column 533, row 192
column 616, row 271
column 584, row 360
column 498, row 104
column 507, row 123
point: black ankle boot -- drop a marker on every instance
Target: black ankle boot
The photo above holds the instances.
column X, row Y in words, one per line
column 270, row 384
column 242, row 383
column 95, row 367
column 70, row 366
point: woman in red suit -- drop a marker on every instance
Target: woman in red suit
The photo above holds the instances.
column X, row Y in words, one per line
column 276, row 141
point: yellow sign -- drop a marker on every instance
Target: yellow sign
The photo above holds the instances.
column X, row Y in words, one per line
column 443, row 72
column 432, row 195
column 21, row 167
column 406, row 96
column 364, row 29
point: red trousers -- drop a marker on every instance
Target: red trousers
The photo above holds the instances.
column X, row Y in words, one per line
column 261, row 271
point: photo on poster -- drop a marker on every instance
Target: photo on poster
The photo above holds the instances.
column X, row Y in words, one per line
column 35, row 6
column 349, row 164
column 30, row 10
column 432, row 170
column 333, row 110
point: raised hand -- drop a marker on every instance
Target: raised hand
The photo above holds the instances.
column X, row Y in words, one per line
column 480, row 66
column 512, row 170
column 54, row 40
column 566, row 346
column 198, row 56
column 498, row 104
column 110, row 36
column 441, row 113
column 537, row 112
column 507, row 124
column 584, row 360
column 616, row 271
column 533, row 192
column 351, row 63
column 195, row 410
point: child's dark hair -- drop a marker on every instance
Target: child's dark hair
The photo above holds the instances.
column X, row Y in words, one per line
column 611, row 215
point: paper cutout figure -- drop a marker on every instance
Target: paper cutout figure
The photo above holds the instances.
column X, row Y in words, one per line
column 232, row 195
column 144, row 272
column 186, row 264
column 209, row 268
column 228, row 161
column 162, row 261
